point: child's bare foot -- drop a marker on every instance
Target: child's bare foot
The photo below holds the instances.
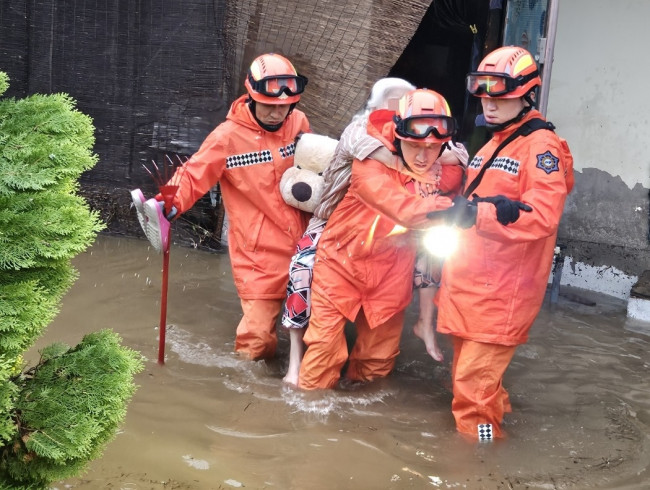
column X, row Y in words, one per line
column 426, row 333
column 291, row 377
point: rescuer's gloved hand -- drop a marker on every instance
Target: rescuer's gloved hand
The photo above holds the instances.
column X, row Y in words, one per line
column 462, row 213
column 508, row 210
column 168, row 216
column 172, row 212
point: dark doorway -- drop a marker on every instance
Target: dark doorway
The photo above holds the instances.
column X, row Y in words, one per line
column 451, row 40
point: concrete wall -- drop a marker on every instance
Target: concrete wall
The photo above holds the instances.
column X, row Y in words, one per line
column 598, row 102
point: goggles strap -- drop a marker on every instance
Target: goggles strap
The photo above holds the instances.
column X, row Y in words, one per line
column 528, row 77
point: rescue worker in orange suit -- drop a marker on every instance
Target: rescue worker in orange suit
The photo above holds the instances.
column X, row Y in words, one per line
column 493, row 288
column 247, row 154
column 364, row 262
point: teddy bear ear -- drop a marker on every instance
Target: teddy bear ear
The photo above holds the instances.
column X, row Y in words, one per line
column 314, row 152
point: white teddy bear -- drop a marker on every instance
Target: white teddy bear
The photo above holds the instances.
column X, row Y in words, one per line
column 302, row 185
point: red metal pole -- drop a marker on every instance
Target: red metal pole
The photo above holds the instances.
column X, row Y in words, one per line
column 163, row 302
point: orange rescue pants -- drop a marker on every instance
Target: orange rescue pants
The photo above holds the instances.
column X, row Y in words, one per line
column 256, row 335
column 477, row 374
column 373, row 355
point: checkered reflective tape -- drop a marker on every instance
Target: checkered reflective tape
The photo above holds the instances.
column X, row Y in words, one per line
column 287, row 151
column 506, row 164
column 476, row 162
column 500, row 163
column 246, row 159
column 485, row 432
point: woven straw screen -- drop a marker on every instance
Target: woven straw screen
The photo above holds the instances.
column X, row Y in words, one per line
column 343, row 47
column 157, row 76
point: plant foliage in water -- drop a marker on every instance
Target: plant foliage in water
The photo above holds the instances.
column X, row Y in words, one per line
column 57, row 416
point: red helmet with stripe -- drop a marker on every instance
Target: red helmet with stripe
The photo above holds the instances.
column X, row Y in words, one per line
column 272, row 79
column 508, row 72
column 424, row 116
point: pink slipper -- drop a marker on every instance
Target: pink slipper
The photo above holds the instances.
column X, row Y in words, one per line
column 156, row 226
column 138, row 203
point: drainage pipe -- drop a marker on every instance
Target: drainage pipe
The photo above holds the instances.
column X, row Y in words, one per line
column 547, row 62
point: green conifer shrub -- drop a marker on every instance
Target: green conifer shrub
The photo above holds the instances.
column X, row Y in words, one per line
column 57, row 416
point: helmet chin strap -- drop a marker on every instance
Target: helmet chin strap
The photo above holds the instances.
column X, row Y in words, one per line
column 397, row 143
column 271, row 128
column 495, row 128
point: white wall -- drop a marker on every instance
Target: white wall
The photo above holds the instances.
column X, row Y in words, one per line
column 600, row 85
column 599, row 99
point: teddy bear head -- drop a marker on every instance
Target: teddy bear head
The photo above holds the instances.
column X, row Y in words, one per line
column 302, row 185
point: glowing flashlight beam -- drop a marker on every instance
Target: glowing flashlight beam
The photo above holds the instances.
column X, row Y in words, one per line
column 441, row 240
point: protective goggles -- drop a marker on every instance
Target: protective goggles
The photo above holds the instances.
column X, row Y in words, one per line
column 419, row 127
column 495, row 84
column 275, row 86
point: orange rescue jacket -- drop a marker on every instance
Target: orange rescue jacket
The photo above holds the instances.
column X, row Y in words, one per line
column 248, row 163
column 366, row 254
column 494, row 285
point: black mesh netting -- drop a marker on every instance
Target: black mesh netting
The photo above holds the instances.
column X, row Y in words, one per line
column 157, row 76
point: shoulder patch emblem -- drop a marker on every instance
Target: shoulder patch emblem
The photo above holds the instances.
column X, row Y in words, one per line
column 548, row 162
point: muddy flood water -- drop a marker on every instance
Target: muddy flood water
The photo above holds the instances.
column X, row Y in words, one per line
column 580, row 392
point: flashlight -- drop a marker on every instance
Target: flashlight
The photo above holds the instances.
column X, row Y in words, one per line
column 441, row 240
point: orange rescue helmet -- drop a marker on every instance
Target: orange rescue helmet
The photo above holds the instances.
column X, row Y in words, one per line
column 508, row 72
column 272, row 79
column 424, row 116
